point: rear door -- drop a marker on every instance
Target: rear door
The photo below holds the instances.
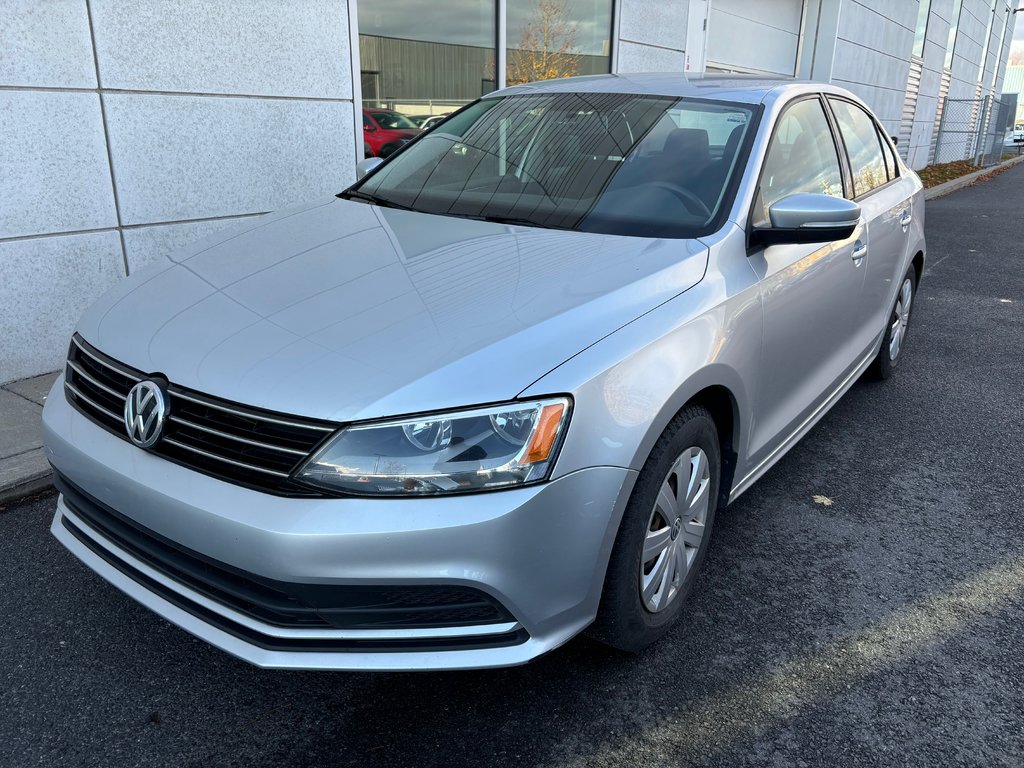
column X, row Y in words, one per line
column 885, row 200
column 810, row 294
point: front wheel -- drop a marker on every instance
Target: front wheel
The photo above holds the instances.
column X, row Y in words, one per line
column 664, row 534
column 896, row 328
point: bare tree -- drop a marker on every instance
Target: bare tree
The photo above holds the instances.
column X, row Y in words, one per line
column 547, row 46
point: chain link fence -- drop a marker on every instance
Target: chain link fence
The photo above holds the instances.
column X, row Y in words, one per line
column 977, row 130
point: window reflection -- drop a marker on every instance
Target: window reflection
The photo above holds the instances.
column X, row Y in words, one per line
column 557, row 38
column 424, row 58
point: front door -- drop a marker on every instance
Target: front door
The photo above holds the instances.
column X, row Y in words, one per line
column 809, row 293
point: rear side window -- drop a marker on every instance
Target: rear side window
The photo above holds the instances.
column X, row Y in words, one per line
column 863, row 146
column 801, row 158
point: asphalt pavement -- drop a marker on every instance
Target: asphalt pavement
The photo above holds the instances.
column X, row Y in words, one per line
column 877, row 624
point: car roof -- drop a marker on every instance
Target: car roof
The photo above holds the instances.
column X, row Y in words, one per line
column 747, row 89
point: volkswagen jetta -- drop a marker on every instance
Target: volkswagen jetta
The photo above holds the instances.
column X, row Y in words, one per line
column 493, row 393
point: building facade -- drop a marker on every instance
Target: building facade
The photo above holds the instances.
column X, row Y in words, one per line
column 127, row 130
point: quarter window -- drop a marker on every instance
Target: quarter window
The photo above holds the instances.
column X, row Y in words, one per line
column 863, row 146
column 801, row 159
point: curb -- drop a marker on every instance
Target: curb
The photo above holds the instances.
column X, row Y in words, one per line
column 24, row 487
column 965, row 181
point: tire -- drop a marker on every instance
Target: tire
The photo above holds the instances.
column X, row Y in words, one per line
column 387, row 150
column 626, row 619
column 896, row 327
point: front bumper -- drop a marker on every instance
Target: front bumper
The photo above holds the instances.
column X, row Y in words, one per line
column 539, row 553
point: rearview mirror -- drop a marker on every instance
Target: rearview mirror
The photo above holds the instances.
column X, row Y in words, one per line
column 363, row 167
column 809, row 218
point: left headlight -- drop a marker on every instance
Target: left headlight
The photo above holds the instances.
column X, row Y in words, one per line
column 480, row 449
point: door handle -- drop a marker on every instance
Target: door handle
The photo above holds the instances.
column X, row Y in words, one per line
column 905, row 220
column 860, row 250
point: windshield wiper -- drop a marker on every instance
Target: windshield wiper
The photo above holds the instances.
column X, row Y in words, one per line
column 382, row 202
column 522, row 222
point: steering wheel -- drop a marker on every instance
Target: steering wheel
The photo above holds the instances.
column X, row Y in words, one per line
column 686, row 197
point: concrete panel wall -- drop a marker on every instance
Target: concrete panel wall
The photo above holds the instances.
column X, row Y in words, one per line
column 933, row 56
column 759, row 37
column 129, row 129
column 652, row 36
column 872, row 56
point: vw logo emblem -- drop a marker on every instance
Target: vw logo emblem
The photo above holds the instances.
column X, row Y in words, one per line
column 144, row 413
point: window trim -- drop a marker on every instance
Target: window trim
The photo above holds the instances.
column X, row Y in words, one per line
column 753, row 248
column 883, row 144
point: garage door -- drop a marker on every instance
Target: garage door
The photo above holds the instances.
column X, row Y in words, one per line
column 761, row 36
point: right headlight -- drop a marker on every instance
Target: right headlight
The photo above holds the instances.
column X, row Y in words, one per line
column 478, row 449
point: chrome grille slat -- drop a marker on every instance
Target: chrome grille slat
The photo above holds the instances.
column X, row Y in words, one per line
column 230, row 441
column 94, row 381
column 90, row 402
column 229, row 436
column 176, row 392
column 126, row 372
column 209, row 455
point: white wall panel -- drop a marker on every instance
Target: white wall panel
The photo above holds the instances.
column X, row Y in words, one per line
column 46, row 44
column 185, row 157
column 144, row 245
column 661, row 23
column 635, row 57
column 54, row 173
column 762, row 36
column 48, row 282
column 225, row 46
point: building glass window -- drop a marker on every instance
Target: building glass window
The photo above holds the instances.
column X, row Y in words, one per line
column 958, row 9
column 423, row 58
column 921, row 31
column 426, row 58
column 988, row 40
column 557, row 38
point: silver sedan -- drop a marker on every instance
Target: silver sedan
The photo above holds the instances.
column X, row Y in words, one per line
column 491, row 395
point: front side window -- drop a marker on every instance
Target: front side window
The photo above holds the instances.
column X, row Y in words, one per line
column 649, row 166
column 863, row 146
column 801, row 159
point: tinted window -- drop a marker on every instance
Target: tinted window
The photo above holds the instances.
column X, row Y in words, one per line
column 801, row 158
column 863, row 146
column 650, row 166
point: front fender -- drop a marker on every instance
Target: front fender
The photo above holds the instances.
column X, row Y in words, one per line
column 659, row 363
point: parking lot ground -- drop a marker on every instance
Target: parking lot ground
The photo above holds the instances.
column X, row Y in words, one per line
column 879, row 624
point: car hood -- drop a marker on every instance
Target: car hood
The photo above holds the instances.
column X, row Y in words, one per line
column 346, row 311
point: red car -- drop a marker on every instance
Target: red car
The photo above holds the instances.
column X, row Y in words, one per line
column 385, row 131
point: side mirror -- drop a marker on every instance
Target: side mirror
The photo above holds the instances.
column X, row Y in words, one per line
column 363, row 167
column 367, row 128
column 809, row 218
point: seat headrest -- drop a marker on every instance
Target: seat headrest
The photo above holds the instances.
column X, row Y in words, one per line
column 689, row 144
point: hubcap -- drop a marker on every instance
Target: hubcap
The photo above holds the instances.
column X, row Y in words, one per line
column 675, row 529
column 900, row 319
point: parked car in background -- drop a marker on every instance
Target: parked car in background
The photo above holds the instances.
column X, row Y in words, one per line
column 492, row 394
column 1016, row 136
column 430, row 122
column 385, row 132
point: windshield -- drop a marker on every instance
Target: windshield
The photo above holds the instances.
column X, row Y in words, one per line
column 392, row 120
column 648, row 166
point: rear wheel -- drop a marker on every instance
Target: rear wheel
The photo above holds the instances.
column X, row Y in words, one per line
column 664, row 534
column 896, row 328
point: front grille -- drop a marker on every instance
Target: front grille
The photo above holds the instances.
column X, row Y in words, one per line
column 247, row 446
column 298, row 606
